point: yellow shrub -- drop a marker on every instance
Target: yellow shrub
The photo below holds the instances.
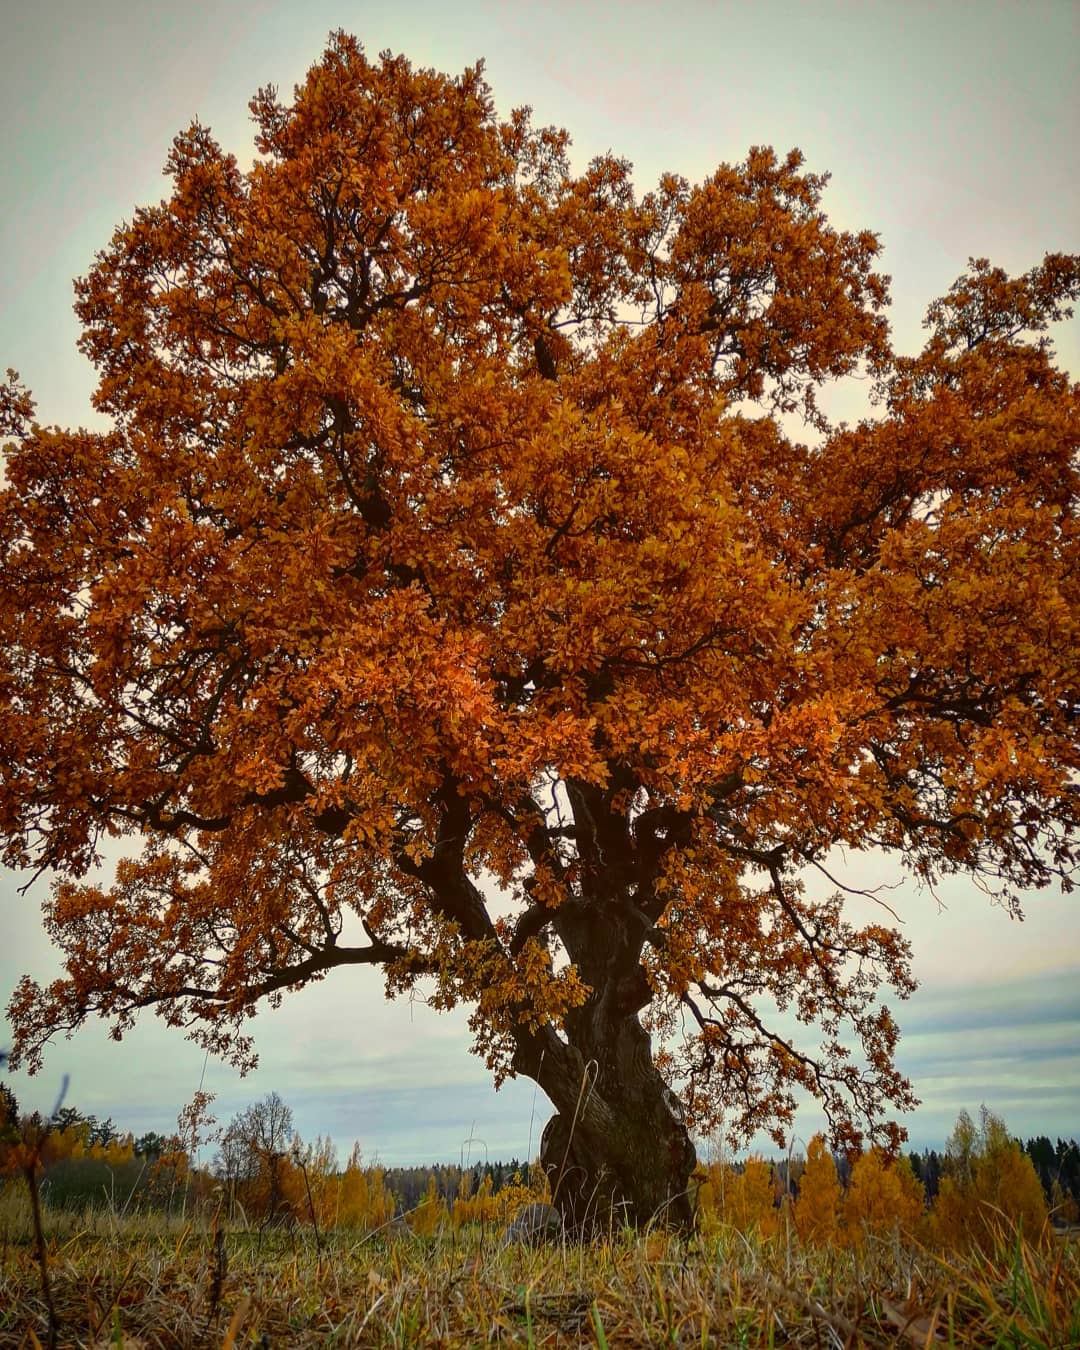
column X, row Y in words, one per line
column 429, row 1214
column 817, row 1210
column 747, row 1198
column 883, row 1198
column 714, row 1182
column 990, row 1186
column 531, row 1189
column 363, row 1199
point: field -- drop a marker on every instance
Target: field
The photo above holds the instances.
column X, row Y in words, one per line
column 142, row 1282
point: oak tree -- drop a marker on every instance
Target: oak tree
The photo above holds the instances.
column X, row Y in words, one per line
column 470, row 584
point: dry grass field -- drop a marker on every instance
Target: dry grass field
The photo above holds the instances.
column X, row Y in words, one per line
column 168, row 1283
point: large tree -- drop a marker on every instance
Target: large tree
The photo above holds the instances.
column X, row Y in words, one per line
column 452, row 595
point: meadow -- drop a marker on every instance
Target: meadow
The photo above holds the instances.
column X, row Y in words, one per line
column 194, row 1281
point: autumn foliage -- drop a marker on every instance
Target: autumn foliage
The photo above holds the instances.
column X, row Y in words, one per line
column 989, row 1192
column 884, row 1196
column 453, row 593
column 817, row 1209
column 988, row 1179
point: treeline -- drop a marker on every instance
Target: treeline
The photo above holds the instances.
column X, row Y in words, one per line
column 1057, row 1165
column 411, row 1184
column 263, row 1173
column 986, row 1182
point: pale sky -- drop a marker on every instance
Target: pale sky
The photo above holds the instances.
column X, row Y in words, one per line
column 949, row 129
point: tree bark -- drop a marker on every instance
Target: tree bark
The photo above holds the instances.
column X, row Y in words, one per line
column 622, row 1156
column 618, row 1151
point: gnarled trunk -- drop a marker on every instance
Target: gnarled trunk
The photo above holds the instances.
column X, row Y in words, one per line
column 622, row 1154
column 618, row 1151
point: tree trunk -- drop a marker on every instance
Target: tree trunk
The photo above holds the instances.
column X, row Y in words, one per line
column 627, row 1163
column 618, row 1152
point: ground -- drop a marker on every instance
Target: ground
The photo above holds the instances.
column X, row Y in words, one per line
column 123, row 1281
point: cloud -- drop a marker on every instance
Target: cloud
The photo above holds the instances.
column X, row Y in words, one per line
column 1011, row 1044
column 974, row 1005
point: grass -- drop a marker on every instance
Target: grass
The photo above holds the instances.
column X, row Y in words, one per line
column 162, row 1282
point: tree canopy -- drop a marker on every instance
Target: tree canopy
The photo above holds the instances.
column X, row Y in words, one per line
column 453, row 593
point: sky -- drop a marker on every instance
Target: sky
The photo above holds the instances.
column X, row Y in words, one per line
column 949, row 129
